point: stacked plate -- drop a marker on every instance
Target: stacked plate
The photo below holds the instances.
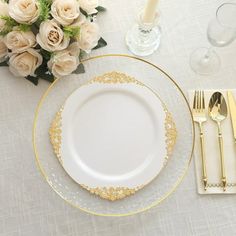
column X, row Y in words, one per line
column 120, row 136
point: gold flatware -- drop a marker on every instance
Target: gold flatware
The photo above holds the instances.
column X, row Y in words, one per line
column 232, row 109
column 218, row 113
column 199, row 116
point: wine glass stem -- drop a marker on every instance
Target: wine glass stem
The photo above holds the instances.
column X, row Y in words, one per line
column 208, row 54
column 207, row 57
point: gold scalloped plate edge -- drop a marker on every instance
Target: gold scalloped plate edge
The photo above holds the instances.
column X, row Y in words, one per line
column 155, row 203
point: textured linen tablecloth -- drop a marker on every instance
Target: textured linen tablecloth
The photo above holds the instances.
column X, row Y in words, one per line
column 28, row 206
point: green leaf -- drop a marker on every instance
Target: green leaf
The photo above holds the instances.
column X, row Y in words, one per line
column 4, row 32
column 82, row 55
column 37, row 24
column 83, row 12
column 4, row 63
column 80, row 69
column 48, row 76
column 46, row 55
column 100, row 9
column 43, row 72
column 8, row 26
column 24, row 27
column 32, row 79
column 44, row 9
column 9, row 21
column 71, row 31
column 101, row 43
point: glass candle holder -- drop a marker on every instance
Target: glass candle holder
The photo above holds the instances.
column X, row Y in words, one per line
column 143, row 39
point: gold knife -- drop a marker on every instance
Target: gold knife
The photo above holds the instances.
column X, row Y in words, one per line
column 232, row 109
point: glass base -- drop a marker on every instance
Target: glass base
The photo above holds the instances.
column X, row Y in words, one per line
column 143, row 42
column 205, row 61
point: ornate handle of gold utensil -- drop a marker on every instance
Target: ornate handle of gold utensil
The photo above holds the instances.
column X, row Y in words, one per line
column 203, row 155
column 222, row 158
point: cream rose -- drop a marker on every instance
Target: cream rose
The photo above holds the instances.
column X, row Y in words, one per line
column 79, row 21
column 89, row 36
column 89, row 5
column 24, row 11
column 25, row 63
column 4, row 12
column 65, row 12
column 19, row 41
column 65, row 62
column 51, row 36
column 4, row 8
column 3, row 50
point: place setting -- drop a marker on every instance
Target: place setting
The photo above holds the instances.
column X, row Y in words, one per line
column 214, row 111
column 114, row 143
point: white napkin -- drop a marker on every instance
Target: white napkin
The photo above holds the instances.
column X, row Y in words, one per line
column 213, row 153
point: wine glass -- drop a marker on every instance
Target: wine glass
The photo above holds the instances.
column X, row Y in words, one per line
column 221, row 32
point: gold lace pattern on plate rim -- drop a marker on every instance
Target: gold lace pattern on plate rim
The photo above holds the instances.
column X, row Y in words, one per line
column 112, row 193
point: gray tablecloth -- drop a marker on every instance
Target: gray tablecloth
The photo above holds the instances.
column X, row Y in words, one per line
column 28, row 206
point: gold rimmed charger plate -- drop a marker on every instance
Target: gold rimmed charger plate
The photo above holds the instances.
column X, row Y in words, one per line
column 159, row 189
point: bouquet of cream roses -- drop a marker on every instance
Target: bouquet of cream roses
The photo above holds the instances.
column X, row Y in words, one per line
column 47, row 38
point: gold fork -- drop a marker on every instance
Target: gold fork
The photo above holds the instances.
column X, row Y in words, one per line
column 199, row 116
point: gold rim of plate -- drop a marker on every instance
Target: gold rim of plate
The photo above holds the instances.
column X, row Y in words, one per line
column 129, row 213
column 115, row 193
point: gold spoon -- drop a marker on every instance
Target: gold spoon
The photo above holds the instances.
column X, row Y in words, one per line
column 218, row 112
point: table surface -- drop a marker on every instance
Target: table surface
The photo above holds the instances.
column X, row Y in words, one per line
column 28, row 206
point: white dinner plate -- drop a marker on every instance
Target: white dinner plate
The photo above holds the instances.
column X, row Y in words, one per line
column 114, row 135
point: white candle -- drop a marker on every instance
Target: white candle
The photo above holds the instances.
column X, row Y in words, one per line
column 150, row 11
